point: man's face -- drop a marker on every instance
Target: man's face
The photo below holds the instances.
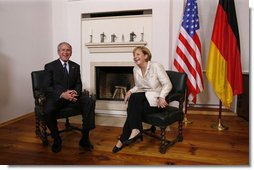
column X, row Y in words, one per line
column 64, row 52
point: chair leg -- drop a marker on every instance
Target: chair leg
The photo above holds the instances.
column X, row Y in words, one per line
column 67, row 123
column 69, row 127
column 163, row 140
column 165, row 144
column 180, row 131
column 44, row 133
column 153, row 129
column 37, row 126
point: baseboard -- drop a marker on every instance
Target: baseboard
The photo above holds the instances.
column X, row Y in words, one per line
column 202, row 111
column 16, row 119
column 210, row 111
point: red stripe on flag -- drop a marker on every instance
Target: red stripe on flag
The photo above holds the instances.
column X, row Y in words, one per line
column 198, row 64
column 185, row 60
column 197, row 42
column 188, row 50
column 191, row 51
column 192, row 89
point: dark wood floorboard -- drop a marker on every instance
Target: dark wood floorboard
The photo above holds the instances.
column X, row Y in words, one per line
column 202, row 145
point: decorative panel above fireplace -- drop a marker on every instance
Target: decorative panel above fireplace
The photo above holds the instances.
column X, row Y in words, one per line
column 116, row 33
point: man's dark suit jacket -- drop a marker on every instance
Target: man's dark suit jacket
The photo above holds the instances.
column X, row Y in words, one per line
column 55, row 82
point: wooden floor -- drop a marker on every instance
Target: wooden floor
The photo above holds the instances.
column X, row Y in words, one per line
column 202, row 145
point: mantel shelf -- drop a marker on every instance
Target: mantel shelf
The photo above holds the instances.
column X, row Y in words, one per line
column 114, row 47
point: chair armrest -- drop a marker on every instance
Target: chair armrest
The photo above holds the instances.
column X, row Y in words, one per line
column 175, row 97
column 39, row 97
column 87, row 93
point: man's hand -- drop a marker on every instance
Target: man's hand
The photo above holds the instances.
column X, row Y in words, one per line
column 70, row 95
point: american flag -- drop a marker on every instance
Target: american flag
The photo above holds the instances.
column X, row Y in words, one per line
column 188, row 50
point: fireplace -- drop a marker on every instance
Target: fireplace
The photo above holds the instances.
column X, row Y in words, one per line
column 108, row 64
column 112, row 82
column 102, row 72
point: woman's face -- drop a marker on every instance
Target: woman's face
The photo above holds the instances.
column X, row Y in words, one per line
column 139, row 57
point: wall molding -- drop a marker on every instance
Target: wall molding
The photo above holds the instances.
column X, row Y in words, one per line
column 115, row 47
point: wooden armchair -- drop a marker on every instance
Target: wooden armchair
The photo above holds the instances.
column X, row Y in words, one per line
column 171, row 114
column 39, row 99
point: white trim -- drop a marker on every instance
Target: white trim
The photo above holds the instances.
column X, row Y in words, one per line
column 115, row 47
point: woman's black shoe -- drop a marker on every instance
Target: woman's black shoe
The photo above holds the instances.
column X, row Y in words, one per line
column 116, row 149
column 132, row 140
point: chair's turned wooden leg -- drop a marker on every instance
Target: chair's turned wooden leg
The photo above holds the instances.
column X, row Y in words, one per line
column 163, row 141
column 153, row 129
column 67, row 123
column 37, row 126
column 180, row 132
column 44, row 133
column 150, row 131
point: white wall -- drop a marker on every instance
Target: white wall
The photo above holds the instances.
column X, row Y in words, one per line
column 25, row 45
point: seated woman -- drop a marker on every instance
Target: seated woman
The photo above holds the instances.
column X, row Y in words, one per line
column 152, row 85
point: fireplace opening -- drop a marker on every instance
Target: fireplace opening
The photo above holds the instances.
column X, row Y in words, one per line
column 112, row 82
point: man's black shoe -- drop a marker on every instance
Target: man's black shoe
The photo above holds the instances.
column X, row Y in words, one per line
column 85, row 143
column 57, row 145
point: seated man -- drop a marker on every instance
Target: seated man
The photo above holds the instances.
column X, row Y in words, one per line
column 63, row 87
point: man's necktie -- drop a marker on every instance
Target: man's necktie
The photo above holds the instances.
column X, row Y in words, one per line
column 65, row 70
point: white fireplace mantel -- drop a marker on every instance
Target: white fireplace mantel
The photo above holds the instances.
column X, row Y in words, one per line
column 114, row 47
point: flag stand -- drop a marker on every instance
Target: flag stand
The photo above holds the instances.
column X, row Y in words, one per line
column 185, row 120
column 219, row 126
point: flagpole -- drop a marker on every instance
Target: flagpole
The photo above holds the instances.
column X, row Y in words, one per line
column 185, row 119
column 219, row 126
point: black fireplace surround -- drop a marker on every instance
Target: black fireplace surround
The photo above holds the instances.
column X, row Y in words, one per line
column 112, row 82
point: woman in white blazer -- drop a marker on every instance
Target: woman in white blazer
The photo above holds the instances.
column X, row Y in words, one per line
column 152, row 85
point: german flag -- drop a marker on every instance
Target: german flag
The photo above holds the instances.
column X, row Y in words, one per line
column 224, row 63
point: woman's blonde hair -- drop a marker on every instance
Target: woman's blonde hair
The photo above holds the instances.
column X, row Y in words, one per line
column 144, row 50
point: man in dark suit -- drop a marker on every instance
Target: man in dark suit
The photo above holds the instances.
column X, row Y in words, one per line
column 63, row 87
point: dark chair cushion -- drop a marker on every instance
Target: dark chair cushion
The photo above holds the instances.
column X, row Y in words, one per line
column 165, row 118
